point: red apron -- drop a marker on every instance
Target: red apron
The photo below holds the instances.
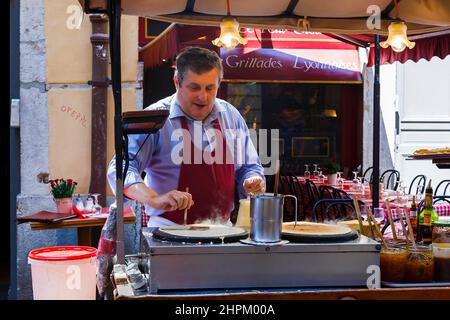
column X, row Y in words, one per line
column 211, row 186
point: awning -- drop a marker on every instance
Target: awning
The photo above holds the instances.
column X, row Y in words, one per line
column 167, row 45
column 337, row 16
column 427, row 48
column 269, row 55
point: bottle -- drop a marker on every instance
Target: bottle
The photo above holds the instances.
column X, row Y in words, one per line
column 413, row 217
column 427, row 216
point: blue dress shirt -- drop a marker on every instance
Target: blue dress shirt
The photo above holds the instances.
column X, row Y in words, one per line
column 155, row 156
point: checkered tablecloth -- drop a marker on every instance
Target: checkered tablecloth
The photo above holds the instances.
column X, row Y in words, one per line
column 441, row 210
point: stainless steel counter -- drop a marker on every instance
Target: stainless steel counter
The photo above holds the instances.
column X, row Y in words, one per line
column 175, row 266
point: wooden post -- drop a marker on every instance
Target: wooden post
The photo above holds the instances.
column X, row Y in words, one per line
column 99, row 83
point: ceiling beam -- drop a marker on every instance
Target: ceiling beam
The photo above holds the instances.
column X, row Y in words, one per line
column 348, row 39
column 291, row 6
column 388, row 9
column 190, row 5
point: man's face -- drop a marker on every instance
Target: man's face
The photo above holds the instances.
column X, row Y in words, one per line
column 197, row 93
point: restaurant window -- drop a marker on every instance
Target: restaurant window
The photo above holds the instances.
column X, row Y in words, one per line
column 308, row 117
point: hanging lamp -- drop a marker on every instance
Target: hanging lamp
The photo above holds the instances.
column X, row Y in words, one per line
column 397, row 38
column 229, row 32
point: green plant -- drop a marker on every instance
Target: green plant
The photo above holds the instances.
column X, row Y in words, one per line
column 62, row 188
column 330, row 166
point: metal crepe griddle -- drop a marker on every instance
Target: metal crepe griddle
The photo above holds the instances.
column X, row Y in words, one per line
column 200, row 233
column 341, row 233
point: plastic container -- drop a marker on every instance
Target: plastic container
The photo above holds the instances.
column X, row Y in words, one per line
column 63, row 273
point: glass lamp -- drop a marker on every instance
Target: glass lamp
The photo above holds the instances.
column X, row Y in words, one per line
column 229, row 34
column 397, row 37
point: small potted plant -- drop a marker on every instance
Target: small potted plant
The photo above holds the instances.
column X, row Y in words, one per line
column 331, row 168
column 62, row 191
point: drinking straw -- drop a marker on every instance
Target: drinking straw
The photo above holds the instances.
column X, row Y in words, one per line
column 411, row 234
column 358, row 213
column 371, row 226
column 399, row 214
column 391, row 221
column 377, row 230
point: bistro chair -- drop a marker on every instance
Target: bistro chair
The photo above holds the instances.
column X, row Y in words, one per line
column 418, row 184
column 287, row 189
column 388, row 224
column 341, row 209
column 326, row 192
column 368, row 174
column 300, row 193
column 340, row 194
column 436, row 199
column 390, row 179
column 291, row 186
column 313, row 195
column 444, row 184
column 329, row 192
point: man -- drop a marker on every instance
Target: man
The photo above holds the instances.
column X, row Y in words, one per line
column 213, row 135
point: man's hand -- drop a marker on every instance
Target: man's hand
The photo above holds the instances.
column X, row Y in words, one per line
column 254, row 184
column 172, row 200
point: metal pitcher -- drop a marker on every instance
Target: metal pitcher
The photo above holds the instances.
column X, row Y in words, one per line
column 266, row 216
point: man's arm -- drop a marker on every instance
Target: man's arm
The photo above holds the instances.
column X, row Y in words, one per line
column 250, row 173
column 172, row 200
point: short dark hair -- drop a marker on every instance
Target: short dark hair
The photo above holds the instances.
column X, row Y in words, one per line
column 198, row 60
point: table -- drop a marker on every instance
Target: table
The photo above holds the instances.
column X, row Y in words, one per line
column 84, row 226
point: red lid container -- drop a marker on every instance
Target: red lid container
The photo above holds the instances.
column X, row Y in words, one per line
column 65, row 253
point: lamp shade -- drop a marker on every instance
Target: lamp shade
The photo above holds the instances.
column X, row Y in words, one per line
column 229, row 34
column 397, row 38
column 330, row 113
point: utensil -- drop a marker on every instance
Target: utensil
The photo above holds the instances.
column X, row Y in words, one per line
column 358, row 213
column 185, row 210
column 391, row 221
column 408, row 222
column 378, row 231
column 399, row 214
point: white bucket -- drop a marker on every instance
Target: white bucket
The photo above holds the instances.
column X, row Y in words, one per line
column 63, row 273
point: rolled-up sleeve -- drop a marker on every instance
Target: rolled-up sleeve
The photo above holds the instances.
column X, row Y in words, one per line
column 138, row 161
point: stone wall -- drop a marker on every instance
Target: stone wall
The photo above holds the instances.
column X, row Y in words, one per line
column 37, row 70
